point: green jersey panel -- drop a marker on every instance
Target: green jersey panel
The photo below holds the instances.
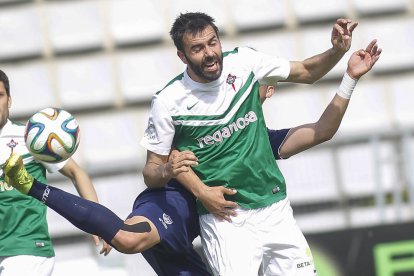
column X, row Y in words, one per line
column 235, row 154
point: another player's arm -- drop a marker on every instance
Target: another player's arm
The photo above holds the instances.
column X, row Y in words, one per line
column 159, row 169
column 212, row 198
column 306, row 136
column 314, row 68
column 80, row 180
column 85, row 189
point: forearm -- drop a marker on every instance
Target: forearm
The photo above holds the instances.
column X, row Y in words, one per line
column 84, row 186
column 191, row 182
column 319, row 65
column 330, row 120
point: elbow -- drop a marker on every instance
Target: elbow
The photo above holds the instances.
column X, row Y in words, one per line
column 148, row 181
column 325, row 136
column 309, row 80
column 151, row 181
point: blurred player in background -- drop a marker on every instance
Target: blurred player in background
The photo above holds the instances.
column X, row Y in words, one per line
column 164, row 221
column 25, row 244
column 212, row 109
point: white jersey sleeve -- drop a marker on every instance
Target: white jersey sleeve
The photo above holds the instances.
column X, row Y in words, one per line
column 267, row 69
column 159, row 135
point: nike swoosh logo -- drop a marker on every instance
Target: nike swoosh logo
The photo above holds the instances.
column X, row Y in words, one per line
column 190, row 107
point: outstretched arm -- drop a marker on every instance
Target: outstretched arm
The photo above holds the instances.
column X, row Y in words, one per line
column 314, row 68
column 306, row 136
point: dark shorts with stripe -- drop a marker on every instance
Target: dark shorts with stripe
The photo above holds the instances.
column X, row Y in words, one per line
column 172, row 209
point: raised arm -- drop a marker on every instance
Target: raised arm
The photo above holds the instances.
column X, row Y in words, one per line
column 314, row 68
column 306, row 136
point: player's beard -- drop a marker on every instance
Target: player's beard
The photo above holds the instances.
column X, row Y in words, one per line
column 198, row 68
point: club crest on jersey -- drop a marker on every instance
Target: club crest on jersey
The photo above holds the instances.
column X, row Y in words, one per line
column 12, row 144
column 151, row 131
column 230, row 80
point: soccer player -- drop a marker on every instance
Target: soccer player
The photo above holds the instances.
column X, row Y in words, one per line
column 212, row 110
column 164, row 223
column 25, row 244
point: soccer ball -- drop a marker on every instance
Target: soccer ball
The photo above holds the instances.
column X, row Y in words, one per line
column 52, row 135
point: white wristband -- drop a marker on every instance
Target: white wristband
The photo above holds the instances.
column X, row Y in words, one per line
column 347, row 86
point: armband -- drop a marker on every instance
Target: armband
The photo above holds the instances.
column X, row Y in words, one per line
column 347, row 86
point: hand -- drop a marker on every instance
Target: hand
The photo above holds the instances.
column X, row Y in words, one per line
column 180, row 161
column 341, row 37
column 106, row 248
column 213, row 200
column 362, row 61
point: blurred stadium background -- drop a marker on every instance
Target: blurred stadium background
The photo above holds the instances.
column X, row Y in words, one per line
column 103, row 59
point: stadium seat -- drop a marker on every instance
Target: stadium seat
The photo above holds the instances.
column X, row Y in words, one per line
column 259, row 14
column 367, row 169
column 402, row 100
column 139, row 83
column 212, row 7
column 369, row 110
column 20, row 32
column 310, row 177
column 283, row 44
column 75, row 26
column 321, row 221
column 318, row 10
column 296, row 105
column 395, row 38
column 132, row 184
column 85, row 83
column 371, row 7
column 31, row 88
column 370, row 216
column 110, row 141
column 134, row 22
column 12, row 1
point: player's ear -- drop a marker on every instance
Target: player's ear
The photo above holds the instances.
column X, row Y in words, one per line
column 270, row 91
column 9, row 102
column 181, row 55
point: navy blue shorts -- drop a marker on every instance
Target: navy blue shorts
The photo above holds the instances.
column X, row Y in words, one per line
column 172, row 209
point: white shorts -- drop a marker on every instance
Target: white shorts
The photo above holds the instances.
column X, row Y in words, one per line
column 265, row 241
column 24, row 265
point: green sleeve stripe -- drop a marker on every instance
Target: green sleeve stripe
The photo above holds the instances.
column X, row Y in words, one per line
column 179, row 77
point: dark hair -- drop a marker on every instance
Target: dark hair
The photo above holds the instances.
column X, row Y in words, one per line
column 5, row 80
column 192, row 23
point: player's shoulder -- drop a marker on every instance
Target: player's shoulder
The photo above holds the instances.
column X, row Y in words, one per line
column 171, row 85
column 238, row 53
column 13, row 128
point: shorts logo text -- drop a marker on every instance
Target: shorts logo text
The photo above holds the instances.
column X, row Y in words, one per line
column 45, row 194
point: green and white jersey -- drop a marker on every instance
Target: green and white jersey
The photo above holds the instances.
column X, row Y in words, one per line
column 222, row 123
column 23, row 226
